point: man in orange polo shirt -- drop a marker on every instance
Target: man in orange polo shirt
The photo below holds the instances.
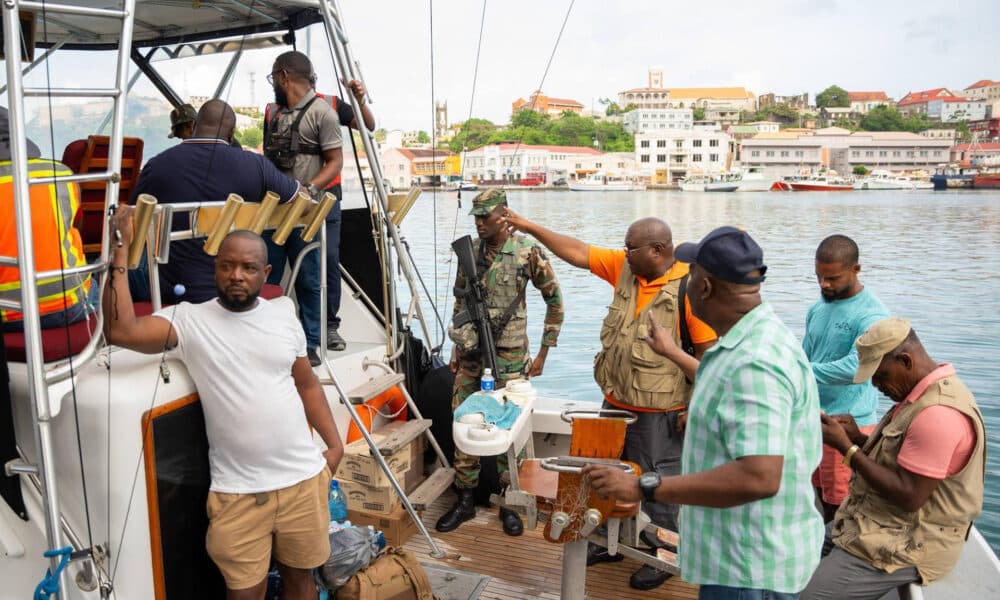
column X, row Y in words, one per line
column 649, row 295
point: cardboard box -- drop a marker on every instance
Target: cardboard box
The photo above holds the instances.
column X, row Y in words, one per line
column 397, row 526
column 415, row 475
column 375, row 499
column 359, row 465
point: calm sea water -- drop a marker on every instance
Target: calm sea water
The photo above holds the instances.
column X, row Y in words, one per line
column 933, row 257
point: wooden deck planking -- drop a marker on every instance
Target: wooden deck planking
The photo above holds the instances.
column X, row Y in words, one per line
column 527, row 566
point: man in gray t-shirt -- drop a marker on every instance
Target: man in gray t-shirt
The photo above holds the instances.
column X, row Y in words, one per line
column 303, row 139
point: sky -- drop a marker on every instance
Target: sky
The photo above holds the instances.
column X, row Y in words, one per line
column 781, row 46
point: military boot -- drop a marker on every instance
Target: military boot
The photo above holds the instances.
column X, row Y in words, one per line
column 463, row 511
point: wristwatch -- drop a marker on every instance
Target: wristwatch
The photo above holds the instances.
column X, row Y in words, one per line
column 313, row 190
column 648, row 482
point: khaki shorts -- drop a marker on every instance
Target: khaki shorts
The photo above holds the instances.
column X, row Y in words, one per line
column 294, row 521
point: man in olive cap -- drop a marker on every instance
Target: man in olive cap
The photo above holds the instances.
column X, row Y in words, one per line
column 505, row 263
column 918, row 478
column 182, row 121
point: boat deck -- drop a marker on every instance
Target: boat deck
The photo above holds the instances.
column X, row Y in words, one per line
column 526, row 566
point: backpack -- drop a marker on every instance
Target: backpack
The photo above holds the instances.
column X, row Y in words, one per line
column 396, row 575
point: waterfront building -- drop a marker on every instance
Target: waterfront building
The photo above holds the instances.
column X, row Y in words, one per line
column 404, row 167
column 939, row 134
column 795, row 152
column 515, row 162
column 862, row 102
column 975, row 152
column 665, row 157
column 644, row 120
column 612, row 164
column 554, row 107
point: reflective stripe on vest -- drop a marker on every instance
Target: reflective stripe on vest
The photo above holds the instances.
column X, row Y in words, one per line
column 275, row 107
column 626, row 367
column 52, row 210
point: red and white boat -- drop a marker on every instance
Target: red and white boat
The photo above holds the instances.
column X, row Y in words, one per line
column 822, row 183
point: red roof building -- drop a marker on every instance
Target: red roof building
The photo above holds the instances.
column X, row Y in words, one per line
column 553, row 107
column 984, row 89
column 926, row 96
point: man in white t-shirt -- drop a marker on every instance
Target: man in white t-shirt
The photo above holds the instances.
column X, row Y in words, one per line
column 247, row 357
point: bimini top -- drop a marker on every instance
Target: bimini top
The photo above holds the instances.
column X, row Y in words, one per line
column 165, row 22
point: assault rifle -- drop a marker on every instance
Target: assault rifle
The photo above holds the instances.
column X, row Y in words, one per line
column 473, row 297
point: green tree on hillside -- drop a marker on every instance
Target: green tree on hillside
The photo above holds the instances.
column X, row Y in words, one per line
column 832, row 96
column 533, row 128
column 887, row 118
column 473, row 134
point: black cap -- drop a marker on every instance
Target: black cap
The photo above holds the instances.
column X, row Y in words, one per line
column 728, row 253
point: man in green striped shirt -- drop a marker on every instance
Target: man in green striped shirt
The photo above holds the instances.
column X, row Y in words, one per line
column 748, row 526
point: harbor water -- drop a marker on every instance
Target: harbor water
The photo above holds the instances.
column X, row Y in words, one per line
column 933, row 257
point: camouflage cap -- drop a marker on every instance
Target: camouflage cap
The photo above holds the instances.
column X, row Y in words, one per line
column 181, row 115
column 483, row 203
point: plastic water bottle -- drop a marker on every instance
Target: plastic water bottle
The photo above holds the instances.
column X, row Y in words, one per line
column 337, row 502
column 486, row 382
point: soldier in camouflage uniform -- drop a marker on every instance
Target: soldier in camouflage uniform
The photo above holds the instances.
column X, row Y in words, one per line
column 506, row 263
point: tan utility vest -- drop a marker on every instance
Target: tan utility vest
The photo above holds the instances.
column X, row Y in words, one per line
column 506, row 280
column 931, row 539
column 626, row 366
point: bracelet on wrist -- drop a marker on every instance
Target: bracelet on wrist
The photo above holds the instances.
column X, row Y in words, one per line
column 850, row 454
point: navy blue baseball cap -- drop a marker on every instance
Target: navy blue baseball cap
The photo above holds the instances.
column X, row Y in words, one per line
column 728, row 253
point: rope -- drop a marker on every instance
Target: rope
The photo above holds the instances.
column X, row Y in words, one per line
column 434, row 199
column 50, row 583
column 458, row 205
column 62, row 277
column 541, row 84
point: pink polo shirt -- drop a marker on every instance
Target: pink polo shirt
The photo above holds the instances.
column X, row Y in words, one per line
column 940, row 440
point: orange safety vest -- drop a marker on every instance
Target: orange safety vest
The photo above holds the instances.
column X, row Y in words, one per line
column 273, row 106
column 57, row 243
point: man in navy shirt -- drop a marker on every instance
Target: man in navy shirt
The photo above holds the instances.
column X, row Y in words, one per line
column 205, row 168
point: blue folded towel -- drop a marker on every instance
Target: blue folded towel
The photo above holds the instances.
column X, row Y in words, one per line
column 501, row 415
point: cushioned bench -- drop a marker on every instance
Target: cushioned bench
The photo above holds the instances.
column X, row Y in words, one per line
column 61, row 342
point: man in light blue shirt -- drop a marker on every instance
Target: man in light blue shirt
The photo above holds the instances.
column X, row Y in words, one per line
column 833, row 324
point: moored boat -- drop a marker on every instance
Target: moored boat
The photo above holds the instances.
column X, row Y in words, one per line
column 695, row 183
column 822, row 183
column 600, row 182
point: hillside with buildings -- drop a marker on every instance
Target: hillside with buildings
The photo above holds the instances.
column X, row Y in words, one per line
column 664, row 134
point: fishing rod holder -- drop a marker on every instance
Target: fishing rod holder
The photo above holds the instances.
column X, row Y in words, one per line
column 599, row 413
column 575, row 464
